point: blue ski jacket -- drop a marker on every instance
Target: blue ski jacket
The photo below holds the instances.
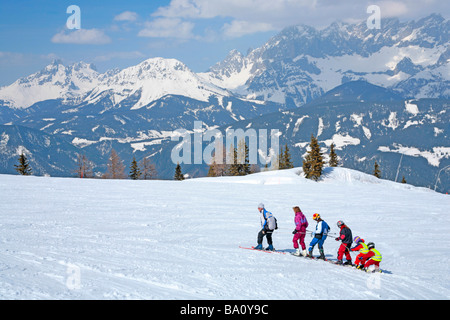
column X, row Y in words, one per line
column 322, row 229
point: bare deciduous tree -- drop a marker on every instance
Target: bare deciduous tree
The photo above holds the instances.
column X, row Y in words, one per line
column 148, row 169
column 116, row 168
column 84, row 167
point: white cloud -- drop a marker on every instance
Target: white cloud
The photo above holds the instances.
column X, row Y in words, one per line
column 251, row 16
column 238, row 28
column 168, row 28
column 247, row 16
column 266, row 11
column 81, row 36
column 393, row 8
column 126, row 16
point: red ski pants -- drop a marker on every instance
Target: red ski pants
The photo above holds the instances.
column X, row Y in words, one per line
column 359, row 258
column 344, row 249
column 372, row 262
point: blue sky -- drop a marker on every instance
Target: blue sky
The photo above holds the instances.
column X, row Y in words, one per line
column 118, row 34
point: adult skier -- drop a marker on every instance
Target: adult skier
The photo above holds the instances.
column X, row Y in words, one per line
column 301, row 223
column 320, row 234
column 361, row 246
column 373, row 257
column 268, row 224
column 345, row 236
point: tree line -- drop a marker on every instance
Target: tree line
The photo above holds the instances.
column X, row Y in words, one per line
column 313, row 164
column 145, row 169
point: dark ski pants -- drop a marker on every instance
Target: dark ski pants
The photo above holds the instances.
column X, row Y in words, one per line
column 266, row 233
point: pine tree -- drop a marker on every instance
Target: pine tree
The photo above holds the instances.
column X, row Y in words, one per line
column 212, row 170
column 243, row 159
column 178, row 174
column 24, row 166
column 313, row 163
column 247, row 166
column 115, row 167
column 377, row 171
column 403, row 179
column 285, row 161
column 233, row 167
column 334, row 161
column 219, row 161
column 135, row 172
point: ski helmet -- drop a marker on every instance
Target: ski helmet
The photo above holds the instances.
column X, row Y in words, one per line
column 371, row 245
column 357, row 240
column 340, row 223
column 261, row 206
column 316, row 216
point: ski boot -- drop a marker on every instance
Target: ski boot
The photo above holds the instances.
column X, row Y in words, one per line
column 270, row 248
column 348, row 263
column 322, row 255
column 297, row 252
column 339, row 262
column 258, row 247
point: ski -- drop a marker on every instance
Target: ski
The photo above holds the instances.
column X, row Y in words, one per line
column 334, row 262
column 267, row 251
column 309, row 257
column 379, row 270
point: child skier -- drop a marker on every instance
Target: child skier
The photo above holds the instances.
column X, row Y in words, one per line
column 373, row 257
column 361, row 246
column 301, row 223
column 320, row 234
column 345, row 236
column 268, row 224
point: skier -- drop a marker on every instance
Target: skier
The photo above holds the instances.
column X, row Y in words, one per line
column 301, row 223
column 345, row 236
column 268, row 224
column 373, row 257
column 361, row 246
column 320, row 234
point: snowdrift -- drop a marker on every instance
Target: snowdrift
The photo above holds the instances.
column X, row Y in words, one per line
column 66, row 238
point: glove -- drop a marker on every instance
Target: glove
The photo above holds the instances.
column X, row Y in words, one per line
column 337, row 239
column 294, row 232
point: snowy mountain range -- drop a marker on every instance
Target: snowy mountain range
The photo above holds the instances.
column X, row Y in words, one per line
column 374, row 76
column 301, row 63
column 295, row 66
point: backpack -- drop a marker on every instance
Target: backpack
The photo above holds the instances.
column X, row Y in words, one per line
column 272, row 222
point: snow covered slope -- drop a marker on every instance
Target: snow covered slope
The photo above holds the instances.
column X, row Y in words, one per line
column 106, row 239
